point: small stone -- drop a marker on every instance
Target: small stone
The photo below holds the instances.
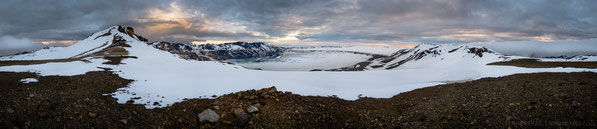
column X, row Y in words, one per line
column 92, row 115
column 242, row 120
column 59, row 88
column 252, row 109
column 238, row 111
column 351, row 121
column 509, row 118
column 31, row 95
column 42, row 114
column 208, row 115
column 217, row 107
column 227, row 122
column 422, row 118
column 579, row 116
column 123, row 121
column 277, row 100
column 8, row 110
column 272, row 90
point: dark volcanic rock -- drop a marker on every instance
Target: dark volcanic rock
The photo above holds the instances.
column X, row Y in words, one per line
column 242, row 120
column 130, row 31
column 479, row 51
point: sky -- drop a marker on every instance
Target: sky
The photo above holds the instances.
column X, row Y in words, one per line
column 308, row 22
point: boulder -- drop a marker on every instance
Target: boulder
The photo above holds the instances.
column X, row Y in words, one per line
column 208, row 115
column 252, row 109
column 242, row 120
column 272, row 90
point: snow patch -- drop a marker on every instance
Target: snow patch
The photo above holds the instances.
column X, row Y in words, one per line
column 28, row 80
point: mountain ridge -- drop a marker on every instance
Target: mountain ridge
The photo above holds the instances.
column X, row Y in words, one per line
column 427, row 55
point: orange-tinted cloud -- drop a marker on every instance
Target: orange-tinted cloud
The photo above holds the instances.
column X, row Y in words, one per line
column 61, row 42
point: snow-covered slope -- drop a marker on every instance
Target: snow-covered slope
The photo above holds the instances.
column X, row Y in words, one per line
column 438, row 56
column 94, row 43
column 164, row 78
column 207, row 52
column 97, row 41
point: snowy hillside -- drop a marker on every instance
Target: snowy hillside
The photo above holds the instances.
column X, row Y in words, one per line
column 97, row 41
column 162, row 78
column 94, row 43
column 437, row 56
column 207, row 52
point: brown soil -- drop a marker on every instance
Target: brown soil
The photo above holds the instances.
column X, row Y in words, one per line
column 33, row 62
column 534, row 63
column 518, row 101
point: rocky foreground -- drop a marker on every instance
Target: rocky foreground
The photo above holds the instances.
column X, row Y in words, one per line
column 516, row 101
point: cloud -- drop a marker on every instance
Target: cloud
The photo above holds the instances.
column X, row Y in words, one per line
column 543, row 49
column 11, row 43
column 442, row 21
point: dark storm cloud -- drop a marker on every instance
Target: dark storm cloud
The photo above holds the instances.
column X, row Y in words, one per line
column 59, row 20
column 313, row 20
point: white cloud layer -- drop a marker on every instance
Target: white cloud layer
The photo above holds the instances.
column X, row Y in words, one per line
column 544, row 49
column 9, row 42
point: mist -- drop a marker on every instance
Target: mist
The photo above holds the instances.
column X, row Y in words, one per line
column 543, row 49
column 10, row 45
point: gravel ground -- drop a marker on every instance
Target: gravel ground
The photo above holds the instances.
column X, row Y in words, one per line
column 534, row 63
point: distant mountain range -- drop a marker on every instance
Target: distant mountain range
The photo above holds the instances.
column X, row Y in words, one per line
column 210, row 52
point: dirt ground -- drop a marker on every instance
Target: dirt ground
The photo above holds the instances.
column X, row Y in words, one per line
column 534, row 63
column 517, row 101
